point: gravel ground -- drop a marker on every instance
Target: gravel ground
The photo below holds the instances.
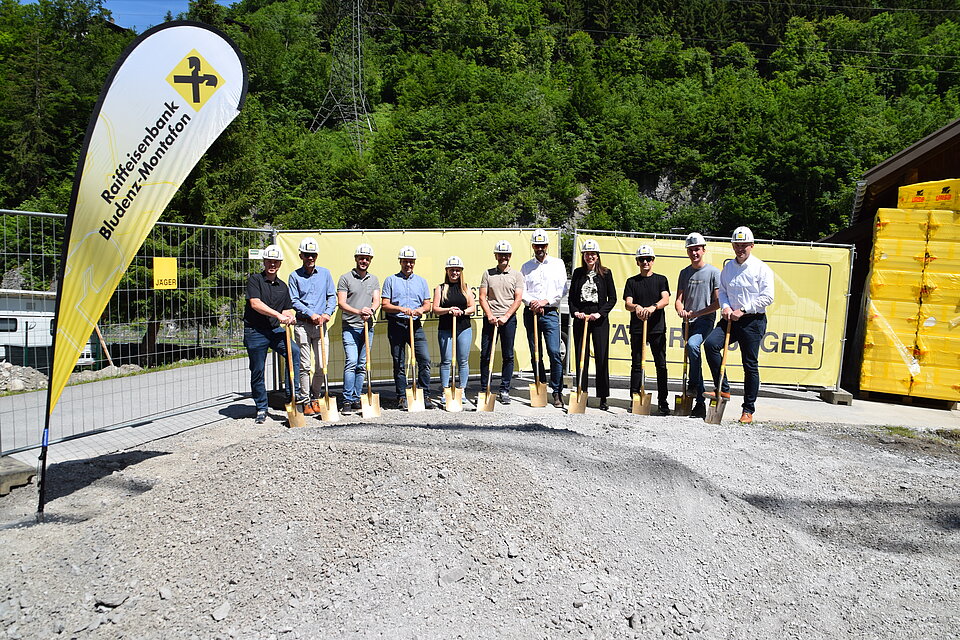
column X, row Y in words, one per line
column 436, row 525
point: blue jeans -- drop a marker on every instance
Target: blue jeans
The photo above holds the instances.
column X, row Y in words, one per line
column 464, row 342
column 506, row 335
column 398, row 334
column 355, row 362
column 747, row 332
column 699, row 329
column 549, row 327
column 257, row 342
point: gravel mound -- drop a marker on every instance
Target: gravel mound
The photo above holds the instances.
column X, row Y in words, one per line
column 492, row 526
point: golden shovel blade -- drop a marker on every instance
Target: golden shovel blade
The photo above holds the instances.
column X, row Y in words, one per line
column 640, row 404
column 486, row 401
column 328, row 410
column 453, row 399
column 715, row 410
column 415, row 400
column 683, row 405
column 538, row 394
column 370, row 405
column 578, row 402
column 295, row 417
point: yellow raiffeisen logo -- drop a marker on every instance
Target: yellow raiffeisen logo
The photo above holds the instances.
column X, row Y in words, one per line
column 195, row 80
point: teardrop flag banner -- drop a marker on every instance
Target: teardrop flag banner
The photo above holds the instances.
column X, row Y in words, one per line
column 171, row 94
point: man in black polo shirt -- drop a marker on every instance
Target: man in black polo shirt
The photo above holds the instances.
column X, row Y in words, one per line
column 645, row 295
column 263, row 318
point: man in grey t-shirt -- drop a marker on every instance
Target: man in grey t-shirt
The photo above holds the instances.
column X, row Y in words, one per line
column 697, row 302
column 358, row 296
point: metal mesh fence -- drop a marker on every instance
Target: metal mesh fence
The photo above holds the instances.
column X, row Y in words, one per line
column 145, row 334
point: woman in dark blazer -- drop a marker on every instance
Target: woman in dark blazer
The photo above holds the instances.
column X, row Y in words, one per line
column 592, row 296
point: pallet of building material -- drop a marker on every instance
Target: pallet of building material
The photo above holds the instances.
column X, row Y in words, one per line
column 940, row 288
column 938, row 352
column 896, row 286
column 885, row 377
column 909, row 224
column 944, row 226
column 938, row 383
column 938, row 320
column 894, row 318
column 899, row 254
column 936, row 194
column 943, row 257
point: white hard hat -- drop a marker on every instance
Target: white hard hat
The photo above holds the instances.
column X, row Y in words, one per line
column 364, row 250
column 502, row 247
column 695, row 240
column 742, row 234
column 407, row 253
column 646, row 251
column 309, row 245
column 272, row 252
column 539, row 237
column 454, row 261
column 589, row 245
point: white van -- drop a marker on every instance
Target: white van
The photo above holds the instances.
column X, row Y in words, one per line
column 26, row 320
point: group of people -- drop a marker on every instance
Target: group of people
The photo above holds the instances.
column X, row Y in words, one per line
column 741, row 291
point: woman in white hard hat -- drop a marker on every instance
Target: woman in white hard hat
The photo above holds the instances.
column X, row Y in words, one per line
column 453, row 302
column 592, row 296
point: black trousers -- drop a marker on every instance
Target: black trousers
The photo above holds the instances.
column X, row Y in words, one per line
column 600, row 336
column 658, row 347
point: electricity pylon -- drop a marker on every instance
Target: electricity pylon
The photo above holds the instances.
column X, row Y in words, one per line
column 345, row 102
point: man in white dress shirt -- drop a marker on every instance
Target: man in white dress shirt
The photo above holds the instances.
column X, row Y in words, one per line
column 544, row 285
column 746, row 290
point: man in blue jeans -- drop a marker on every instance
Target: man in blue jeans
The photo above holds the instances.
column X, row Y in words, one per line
column 264, row 319
column 697, row 303
column 544, row 285
column 406, row 295
column 746, row 290
column 501, row 294
column 358, row 295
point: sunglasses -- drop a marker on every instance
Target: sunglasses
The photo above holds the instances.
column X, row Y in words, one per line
column 646, row 259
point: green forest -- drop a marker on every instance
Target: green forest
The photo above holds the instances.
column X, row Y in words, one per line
column 637, row 115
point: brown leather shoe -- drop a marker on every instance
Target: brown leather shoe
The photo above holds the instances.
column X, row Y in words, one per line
column 710, row 395
column 558, row 401
column 311, row 408
column 746, row 418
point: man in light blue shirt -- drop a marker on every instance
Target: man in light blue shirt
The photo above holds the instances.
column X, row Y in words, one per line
column 314, row 299
column 406, row 295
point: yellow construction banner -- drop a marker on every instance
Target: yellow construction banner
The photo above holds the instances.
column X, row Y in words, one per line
column 434, row 246
column 805, row 324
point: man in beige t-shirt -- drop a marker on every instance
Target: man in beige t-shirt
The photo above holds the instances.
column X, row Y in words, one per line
column 501, row 291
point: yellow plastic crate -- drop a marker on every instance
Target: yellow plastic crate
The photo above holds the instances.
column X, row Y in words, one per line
column 904, row 286
column 944, row 226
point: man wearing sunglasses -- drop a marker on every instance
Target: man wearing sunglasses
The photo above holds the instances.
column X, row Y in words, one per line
column 646, row 294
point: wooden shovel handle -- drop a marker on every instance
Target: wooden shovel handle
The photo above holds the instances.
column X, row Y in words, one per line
column 366, row 346
column 583, row 355
column 293, row 383
column 413, row 359
column 493, row 355
column 723, row 363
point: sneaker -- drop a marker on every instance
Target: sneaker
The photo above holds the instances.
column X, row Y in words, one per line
column 710, row 395
column 699, row 410
column 402, row 403
column 662, row 410
column 746, row 418
column 356, row 406
column 603, row 404
column 261, row 417
column 557, row 400
column 504, row 397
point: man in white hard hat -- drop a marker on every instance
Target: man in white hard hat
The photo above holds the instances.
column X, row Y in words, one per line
column 406, row 295
column 501, row 294
column 314, row 299
column 544, row 285
column 745, row 292
column 267, row 310
column 697, row 303
column 358, row 295
column 645, row 296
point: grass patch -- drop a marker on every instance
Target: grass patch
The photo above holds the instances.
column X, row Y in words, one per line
column 903, row 432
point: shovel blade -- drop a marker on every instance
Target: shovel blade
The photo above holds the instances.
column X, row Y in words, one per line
column 486, row 401
column 640, row 404
column 578, row 402
column 538, row 395
column 715, row 411
column 683, row 405
column 329, row 411
column 295, row 417
column 415, row 400
column 370, row 405
column 453, row 399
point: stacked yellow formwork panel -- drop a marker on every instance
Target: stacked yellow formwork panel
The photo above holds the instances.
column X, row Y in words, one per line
column 912, row 341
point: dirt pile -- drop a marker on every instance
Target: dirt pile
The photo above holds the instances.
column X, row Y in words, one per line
column 491, row 526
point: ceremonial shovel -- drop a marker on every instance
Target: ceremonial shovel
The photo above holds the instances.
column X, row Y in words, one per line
column 328, row 410
column 294, row 414
column 578, row 400
column 370, row 401
column 453, row 396
column 486, row 400
column 684, row 403
column 538, row 390
column 414, row 395
column 641, row 401
column 718, row 404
